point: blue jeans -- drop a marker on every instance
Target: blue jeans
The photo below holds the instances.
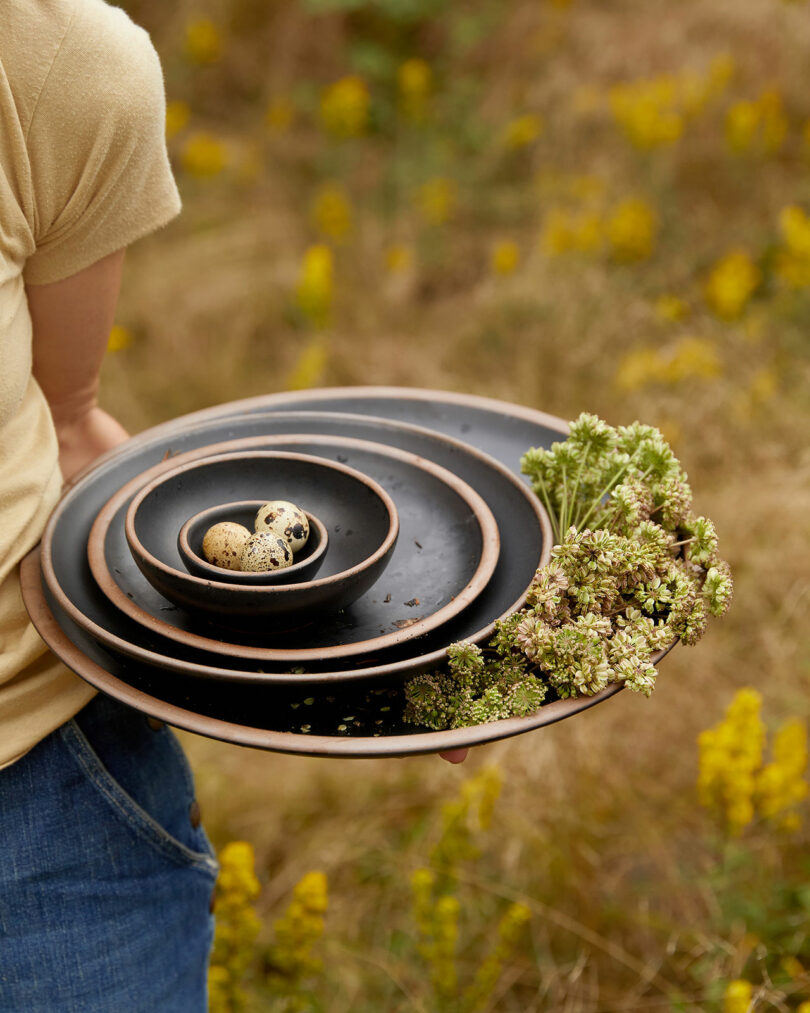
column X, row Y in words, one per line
column 106, row 875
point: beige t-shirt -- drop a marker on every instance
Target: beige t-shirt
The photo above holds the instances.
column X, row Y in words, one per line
column 83, row 173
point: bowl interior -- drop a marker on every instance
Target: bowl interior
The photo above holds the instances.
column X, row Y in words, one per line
column 190, row 542
column 356, row 518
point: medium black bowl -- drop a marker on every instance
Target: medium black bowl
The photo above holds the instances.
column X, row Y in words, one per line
column 157, row 512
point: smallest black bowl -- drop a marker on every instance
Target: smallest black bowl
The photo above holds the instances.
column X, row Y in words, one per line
column 189, row 544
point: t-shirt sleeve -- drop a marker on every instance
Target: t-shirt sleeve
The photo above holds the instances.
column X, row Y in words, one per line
column 100, row 173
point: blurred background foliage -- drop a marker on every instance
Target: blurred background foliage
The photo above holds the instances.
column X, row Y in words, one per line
column 597, row 205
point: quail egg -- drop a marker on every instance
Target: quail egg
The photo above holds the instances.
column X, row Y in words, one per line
column 223, row 543
column 265, row 551
column 285, row 519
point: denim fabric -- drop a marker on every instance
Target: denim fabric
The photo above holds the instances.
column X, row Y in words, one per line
column 105, row 883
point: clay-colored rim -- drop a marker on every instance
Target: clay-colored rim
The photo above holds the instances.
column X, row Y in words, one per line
column 184, row 547
column 401, row 668
column 283, row 742
column 101, row 573
column 270, row 590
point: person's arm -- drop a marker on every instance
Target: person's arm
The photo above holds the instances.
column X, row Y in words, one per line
column 71, row 320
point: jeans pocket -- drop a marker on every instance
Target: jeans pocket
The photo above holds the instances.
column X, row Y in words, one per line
column 155, row 800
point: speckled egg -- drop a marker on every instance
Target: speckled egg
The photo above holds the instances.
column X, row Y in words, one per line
column 265, row 551
column 223, row 543
column 286, row 519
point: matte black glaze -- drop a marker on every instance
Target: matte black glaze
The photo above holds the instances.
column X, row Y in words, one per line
column 345, row 498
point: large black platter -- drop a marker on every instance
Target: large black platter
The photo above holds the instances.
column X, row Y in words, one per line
column 355, row 722
column 525, row 541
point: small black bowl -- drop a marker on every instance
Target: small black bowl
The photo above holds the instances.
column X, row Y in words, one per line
column 308, row 559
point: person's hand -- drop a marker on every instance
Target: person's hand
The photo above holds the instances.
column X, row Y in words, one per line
column 84, row 438
column 455, row 755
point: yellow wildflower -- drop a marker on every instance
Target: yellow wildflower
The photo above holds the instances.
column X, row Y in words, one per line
column 236, row 874
column 793, row 260
column 572, row 232
column 794, row 225
column 803, row 1007
column 237, row 925
column 638, row 368
column 315, row 289
column 331, row 212
column 204, row 155
column 654, row 112
column 475, row 805
column 737, row 996
column 632, row 230
column 648, row 112
column 445, row 939
column 792, row 270
column 422, row 884
column 219, row 989
column 690, row 358
column 437, row 200
column 203, row 41
column 484, row 790
column 414, row 82
column 504, row 257
column 732, row 282
column 781, row 784
column 477, row 995
column 522, row 131
column 345, row 107
column 398, row 258
column 177, row 116
column 774, row 121
column 310, row 366
column 119, row 339
column 300, row 927
column 730, row 756
column 671, row 308
column 279, row 115
column 758, row 126
column 742, row 123
column 793, row 967
column 587, row 188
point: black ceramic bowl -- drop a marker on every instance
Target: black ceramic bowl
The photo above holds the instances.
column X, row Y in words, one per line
column 340, row 495
column 307, row 561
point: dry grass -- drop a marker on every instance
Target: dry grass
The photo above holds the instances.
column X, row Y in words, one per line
column 598, row 828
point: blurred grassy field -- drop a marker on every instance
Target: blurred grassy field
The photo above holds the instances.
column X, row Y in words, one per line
column 573, row 206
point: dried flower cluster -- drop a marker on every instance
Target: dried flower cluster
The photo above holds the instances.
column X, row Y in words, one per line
column 633, row 570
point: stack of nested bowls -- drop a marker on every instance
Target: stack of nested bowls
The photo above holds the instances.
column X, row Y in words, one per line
column 422, row 533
